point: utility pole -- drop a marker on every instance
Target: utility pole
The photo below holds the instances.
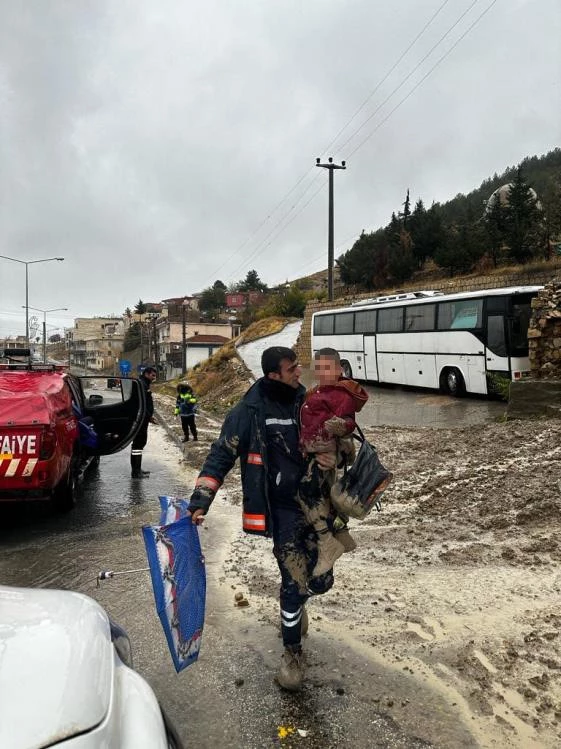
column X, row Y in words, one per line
column 156, row 358
column 330, row 166
column 183, row 340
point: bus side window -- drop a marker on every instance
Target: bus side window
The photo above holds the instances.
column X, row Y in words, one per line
column 390, row 320
column 324, row 324
column 420, row 317
column 365, row 321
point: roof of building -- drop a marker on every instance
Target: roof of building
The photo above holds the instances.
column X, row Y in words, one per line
column 220, row 339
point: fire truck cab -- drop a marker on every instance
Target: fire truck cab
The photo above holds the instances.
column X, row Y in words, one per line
column 51, row 430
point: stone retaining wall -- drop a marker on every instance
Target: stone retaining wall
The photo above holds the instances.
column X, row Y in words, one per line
column 545, row 333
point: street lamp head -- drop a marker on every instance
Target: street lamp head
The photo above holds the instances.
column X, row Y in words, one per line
column 343, row 163
column 318, row 160
column 330, row 160
column 60, row 259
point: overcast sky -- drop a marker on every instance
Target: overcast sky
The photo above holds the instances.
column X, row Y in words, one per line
column 150, row 143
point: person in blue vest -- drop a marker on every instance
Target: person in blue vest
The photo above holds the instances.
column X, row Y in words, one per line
column 262, row 430
column 186, row 409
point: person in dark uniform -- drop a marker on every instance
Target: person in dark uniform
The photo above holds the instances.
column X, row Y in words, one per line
column 146, row 379
column 262, row 430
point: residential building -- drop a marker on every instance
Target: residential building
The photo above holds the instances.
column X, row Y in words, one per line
column 95, row 343
column 205, row 337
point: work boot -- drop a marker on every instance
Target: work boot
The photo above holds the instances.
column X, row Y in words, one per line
column 345, row 538
column 291, row 672
column 140, row 474
column 185, row 439
column 305, row 622
column 329, row 551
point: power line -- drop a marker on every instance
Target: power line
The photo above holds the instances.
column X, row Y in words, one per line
column 408, row 76
column 437, row 63
column 263, row 222
column 386, row 76
column 256, row 253
column 305, row 175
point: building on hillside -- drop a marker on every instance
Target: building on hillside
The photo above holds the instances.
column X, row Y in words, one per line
column 198, row 348
column 173, row 307
column 153, row 311
column 95, row 343
column 237, row 300
column 204, row 336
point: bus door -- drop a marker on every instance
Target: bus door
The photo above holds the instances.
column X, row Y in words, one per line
column 496, row 354
column 370, row 363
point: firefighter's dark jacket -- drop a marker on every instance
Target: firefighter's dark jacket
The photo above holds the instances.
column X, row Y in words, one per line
column 148, row 398
column 243, row 435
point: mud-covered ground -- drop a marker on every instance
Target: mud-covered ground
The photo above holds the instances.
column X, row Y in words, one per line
column 457, row 580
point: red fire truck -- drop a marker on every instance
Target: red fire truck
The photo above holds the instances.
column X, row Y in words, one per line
column 51, row 431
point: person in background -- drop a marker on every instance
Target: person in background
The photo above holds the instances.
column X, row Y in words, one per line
column 262, row 430
column 147, row 377
column 186, row 408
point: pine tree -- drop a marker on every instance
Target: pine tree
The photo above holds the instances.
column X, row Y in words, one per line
column 522, row 219
column 494, row 221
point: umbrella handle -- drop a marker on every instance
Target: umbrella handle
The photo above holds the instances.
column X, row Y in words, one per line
column 106, row 574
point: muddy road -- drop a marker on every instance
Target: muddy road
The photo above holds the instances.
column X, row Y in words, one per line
column 442, row 628
column 228, row 698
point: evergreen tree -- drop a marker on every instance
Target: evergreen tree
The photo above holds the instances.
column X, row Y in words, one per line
column 401, row 262
column 522, row 219
column 404, row 216
column 365, row 261
column 212, row 300
column 140, row 307
column 132, row 337
column 252, row 282
column 494, row 221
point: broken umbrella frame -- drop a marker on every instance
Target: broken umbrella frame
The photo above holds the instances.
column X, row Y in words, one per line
column 177, row 569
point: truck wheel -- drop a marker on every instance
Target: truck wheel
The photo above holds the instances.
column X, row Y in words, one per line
column 64, row 495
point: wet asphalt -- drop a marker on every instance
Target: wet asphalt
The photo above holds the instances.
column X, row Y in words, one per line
column 228, row 698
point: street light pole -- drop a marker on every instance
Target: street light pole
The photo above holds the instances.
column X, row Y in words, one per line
column 27, row 263
column 330, row 166
column 44, row 311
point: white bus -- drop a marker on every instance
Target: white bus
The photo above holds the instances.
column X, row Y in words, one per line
column 430, row 339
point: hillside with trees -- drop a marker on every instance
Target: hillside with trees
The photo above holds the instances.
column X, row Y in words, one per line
column 476, row 231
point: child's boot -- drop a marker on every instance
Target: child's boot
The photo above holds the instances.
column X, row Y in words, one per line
column 345, row 539
column 329, row 551
column 341, row 531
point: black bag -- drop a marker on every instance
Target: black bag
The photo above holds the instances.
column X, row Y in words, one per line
column 362, row 485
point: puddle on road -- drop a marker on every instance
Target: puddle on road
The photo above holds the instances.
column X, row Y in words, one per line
column 45, row 549
column 396, row 406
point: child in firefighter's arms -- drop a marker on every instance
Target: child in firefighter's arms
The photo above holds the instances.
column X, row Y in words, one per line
column 327, row 421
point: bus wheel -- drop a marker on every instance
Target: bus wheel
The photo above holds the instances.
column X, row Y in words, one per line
column 346, row 369
column 453, row 382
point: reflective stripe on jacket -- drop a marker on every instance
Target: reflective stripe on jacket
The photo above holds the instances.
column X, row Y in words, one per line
column 243, row 436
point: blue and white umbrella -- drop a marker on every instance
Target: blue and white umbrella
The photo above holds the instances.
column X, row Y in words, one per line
column 178, row 574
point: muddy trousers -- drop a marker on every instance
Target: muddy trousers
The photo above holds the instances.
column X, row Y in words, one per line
column 137, row 447
column 314, row 495
column 295, row 549
column 188, row 423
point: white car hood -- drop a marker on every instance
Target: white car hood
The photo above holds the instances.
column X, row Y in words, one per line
column 56, row 666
